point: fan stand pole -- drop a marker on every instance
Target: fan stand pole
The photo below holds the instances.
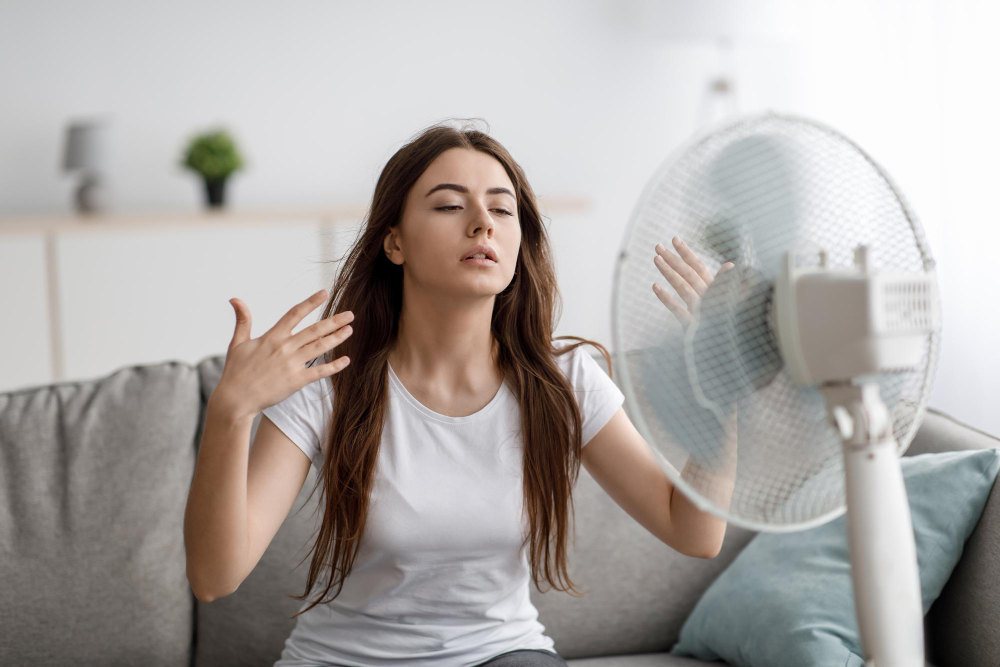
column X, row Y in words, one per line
column 880, row 530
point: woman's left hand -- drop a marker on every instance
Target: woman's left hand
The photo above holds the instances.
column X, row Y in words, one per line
column 687, row 274
column 690, row 277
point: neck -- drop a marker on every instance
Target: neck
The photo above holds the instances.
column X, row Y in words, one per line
column 446, row 342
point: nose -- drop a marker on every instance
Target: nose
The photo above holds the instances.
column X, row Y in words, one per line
column 482, row 220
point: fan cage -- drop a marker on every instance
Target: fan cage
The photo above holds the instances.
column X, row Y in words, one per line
column 786, row 183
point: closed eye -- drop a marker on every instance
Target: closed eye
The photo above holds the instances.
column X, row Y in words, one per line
column 444, row 208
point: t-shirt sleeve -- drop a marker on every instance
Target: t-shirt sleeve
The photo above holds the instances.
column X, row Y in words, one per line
column 596, row 393
column 304, row 417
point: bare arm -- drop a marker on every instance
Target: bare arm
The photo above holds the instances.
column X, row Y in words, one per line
column 623, row 463
column 703, row 531
column 216, row 532
column 239, row 496
column 232, row 517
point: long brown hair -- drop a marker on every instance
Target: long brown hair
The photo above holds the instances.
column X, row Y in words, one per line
column 524, row 315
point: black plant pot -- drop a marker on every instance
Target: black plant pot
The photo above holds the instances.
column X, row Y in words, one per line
column 215, row 191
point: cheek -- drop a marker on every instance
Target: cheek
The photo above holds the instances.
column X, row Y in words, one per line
column 513, row 252
column 426, row 249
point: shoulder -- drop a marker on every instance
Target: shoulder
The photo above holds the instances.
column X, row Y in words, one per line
column 566, row 360
column 579, row 364
column 596, row 393
column 312, row 403
column 316, row 392
column 304, row 416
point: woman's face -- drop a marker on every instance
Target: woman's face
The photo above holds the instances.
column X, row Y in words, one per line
column 464, row 198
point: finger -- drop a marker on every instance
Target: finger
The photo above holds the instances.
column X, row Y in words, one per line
column 242, row 331
column 672, row 304
column 321, row 345
column 692, row 260
column 682, row 269
column 682, row 286
column 332, row 368
column 291, row 319
column 322, row 328
column 725, row 267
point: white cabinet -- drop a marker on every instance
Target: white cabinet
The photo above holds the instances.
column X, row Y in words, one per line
column 25, row 336
column 125, row 293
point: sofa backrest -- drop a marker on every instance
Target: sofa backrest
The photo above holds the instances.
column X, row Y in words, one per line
column 94, row 478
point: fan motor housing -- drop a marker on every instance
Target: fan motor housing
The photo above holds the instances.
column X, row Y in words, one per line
column 834, row 325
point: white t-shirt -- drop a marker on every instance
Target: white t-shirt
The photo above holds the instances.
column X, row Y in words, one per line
column 439, row 579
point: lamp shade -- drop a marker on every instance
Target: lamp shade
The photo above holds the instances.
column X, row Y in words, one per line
column 87, row 146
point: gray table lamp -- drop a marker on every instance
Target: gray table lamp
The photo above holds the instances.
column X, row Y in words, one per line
column 87, row 149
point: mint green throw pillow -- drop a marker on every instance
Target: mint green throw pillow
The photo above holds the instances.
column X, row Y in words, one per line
column 787, row 598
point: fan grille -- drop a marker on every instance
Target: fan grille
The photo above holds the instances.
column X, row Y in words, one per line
column 746, row 193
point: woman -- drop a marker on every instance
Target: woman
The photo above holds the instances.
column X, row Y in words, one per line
column 453, row 438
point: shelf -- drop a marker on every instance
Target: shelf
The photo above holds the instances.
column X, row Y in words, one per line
column 42, row 223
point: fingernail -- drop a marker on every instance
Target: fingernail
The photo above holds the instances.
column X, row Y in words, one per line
column 659, row 247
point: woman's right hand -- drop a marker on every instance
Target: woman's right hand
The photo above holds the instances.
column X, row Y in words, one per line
column 260, row 372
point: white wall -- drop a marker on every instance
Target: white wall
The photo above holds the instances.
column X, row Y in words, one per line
column 586, row 96
column 913, row 82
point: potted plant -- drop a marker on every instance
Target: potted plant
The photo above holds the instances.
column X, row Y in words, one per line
column 214, row 155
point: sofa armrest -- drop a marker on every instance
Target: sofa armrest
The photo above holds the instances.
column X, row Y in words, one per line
column 940, row 432
column 962, row 624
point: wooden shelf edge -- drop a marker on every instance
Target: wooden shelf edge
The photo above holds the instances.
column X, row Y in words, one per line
column 35, row 224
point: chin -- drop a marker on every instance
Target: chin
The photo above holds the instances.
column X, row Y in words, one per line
column 486, row 285
column 487, row 292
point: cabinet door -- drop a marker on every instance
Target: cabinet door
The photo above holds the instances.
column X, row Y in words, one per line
column 145, row 296
column 25, row 349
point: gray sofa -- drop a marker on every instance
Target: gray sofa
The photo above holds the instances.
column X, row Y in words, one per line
column 95, row 477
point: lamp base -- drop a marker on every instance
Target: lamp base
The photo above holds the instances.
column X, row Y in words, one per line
column 92, row 196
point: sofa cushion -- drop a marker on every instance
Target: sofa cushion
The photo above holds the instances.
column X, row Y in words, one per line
column 95, row 478
column 788, row 598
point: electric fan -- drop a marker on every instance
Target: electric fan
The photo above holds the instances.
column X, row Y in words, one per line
column 817, row 349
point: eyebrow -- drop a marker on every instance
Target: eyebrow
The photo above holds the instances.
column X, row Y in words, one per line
column 462, row 188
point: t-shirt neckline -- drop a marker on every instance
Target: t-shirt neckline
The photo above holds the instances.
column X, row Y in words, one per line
column 437, row 416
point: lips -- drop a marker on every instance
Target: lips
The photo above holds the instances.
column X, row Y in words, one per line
column 480, row 250
column 482, row 261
